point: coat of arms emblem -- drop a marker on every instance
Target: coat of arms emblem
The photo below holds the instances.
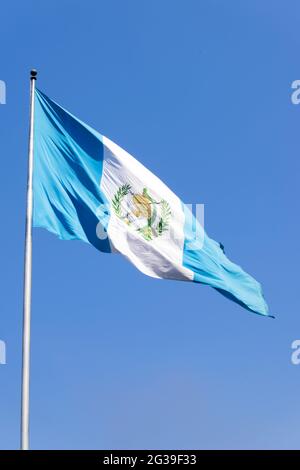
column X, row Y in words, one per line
column 142, row 212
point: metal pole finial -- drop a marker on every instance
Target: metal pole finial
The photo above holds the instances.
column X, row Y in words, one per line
column 33, row 74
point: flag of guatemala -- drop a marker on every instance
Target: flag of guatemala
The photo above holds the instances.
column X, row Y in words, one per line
column 86, row 187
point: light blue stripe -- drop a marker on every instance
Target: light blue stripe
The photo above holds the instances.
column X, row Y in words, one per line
column 68, row 162
column 211, row 267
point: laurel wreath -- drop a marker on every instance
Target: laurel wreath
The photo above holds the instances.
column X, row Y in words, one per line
column 146, row 232
column 166, row 213
column 118, row 197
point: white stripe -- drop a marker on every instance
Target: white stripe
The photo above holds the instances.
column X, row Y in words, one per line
column 160, row 257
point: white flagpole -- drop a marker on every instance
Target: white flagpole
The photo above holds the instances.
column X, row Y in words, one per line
column 27, row 280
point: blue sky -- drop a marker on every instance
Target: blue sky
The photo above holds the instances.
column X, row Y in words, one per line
column 199, row 92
